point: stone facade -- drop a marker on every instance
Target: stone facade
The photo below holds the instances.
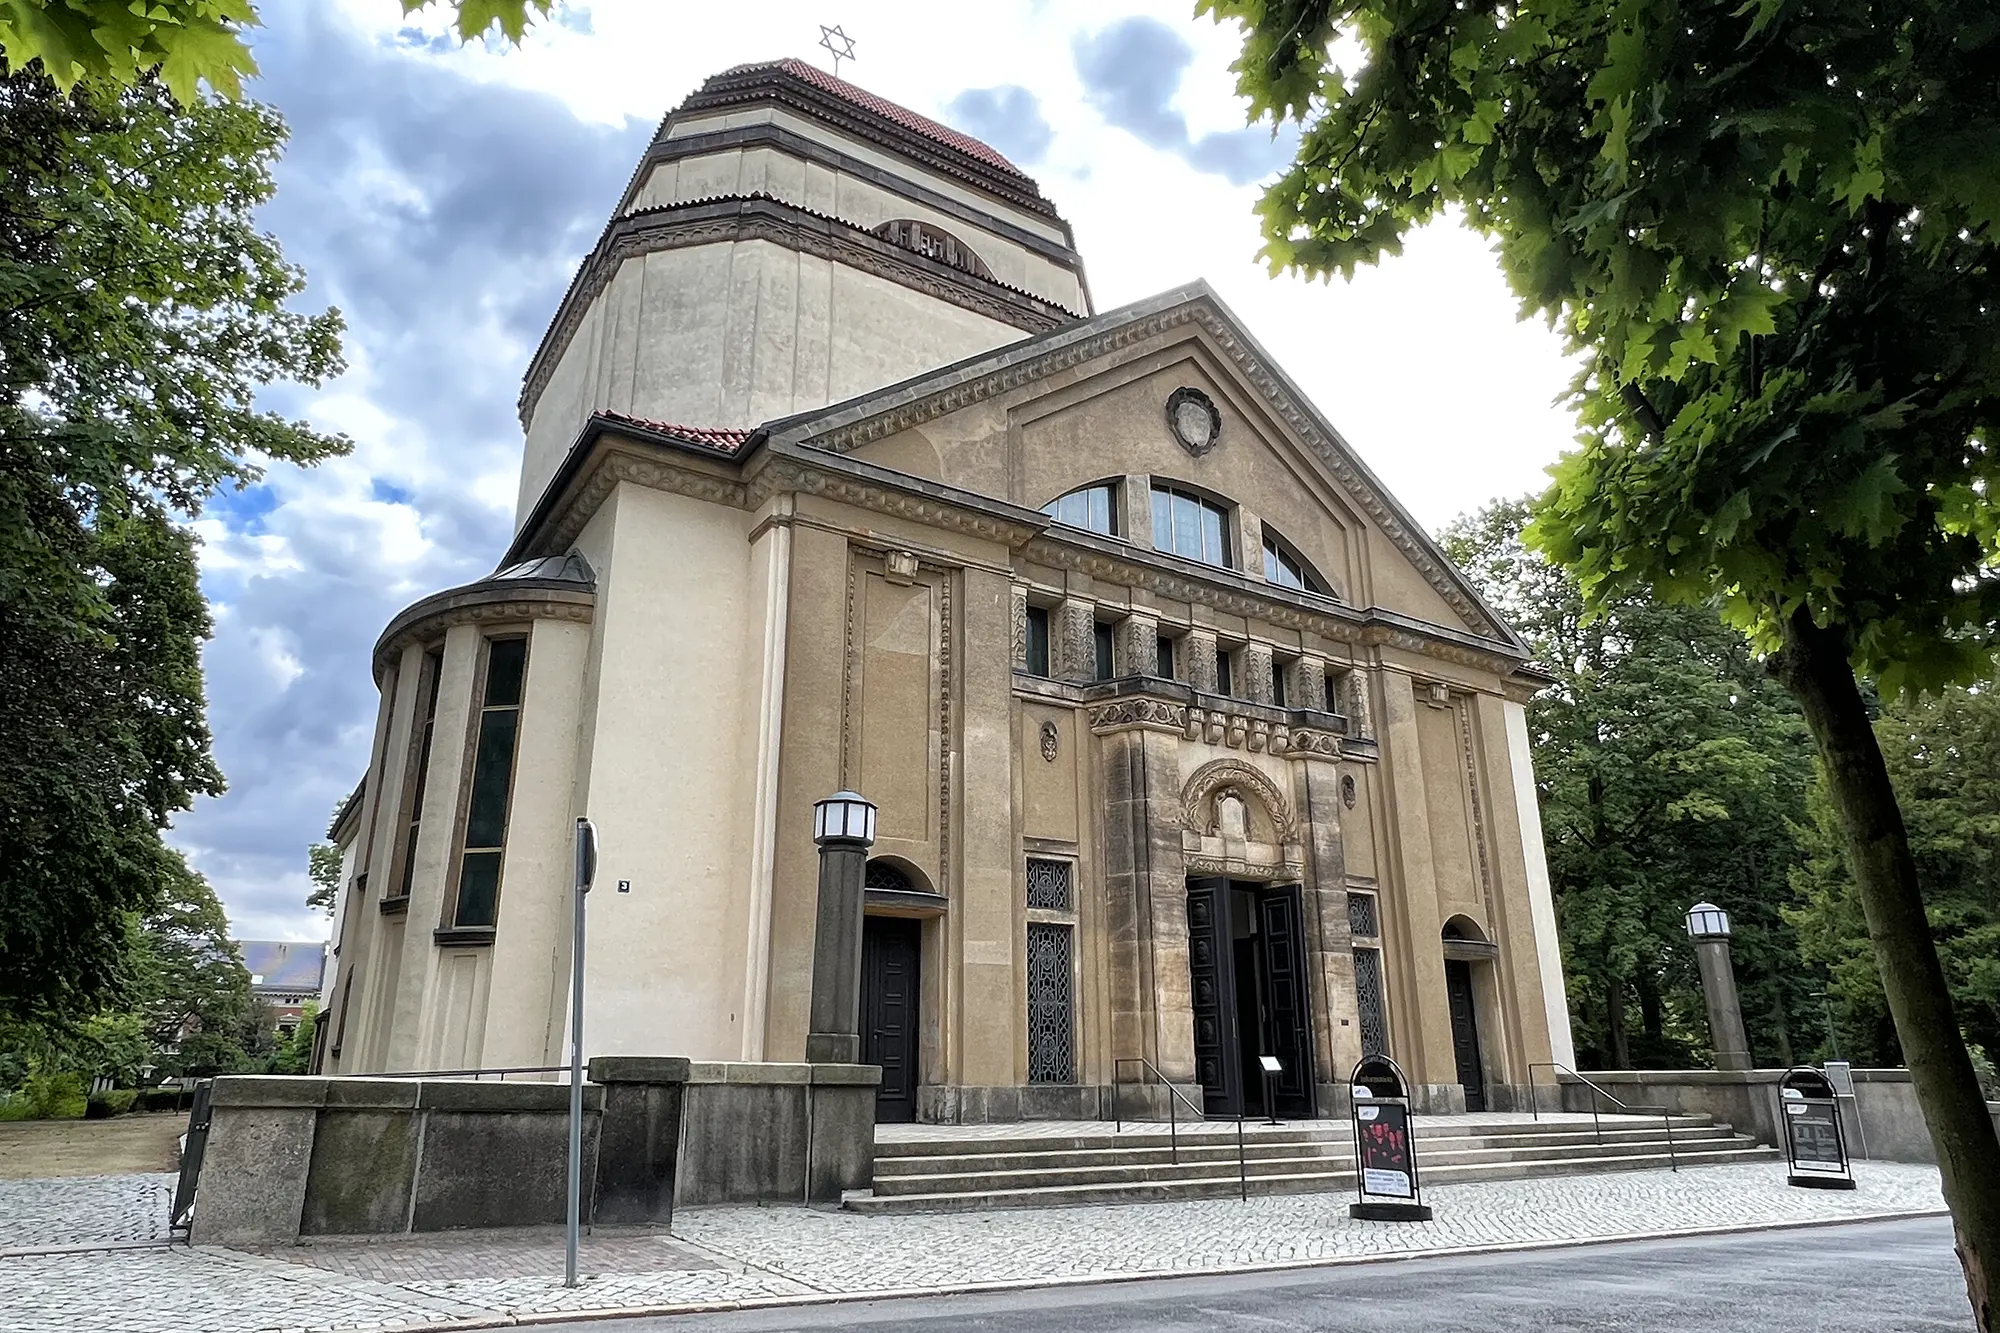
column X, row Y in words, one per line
column 868, row 595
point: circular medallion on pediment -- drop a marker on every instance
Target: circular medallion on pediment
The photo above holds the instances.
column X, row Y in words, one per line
column 1195, row 421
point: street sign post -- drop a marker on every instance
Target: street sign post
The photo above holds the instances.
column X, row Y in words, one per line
column 1385, row 1147
column 1815, row 1147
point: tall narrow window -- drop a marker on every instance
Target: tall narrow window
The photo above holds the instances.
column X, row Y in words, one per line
column 492, row 779
column 1038, row 641
column 1094, row 508
column 1279, row 670
column 1163, row 658
column 417, row 775
column 1188, row 525
column 1100, row 642
column 1224, row 677
column 1370, row 1012
column 1051, row 1009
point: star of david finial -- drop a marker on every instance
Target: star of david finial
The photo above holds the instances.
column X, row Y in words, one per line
column 838, row 44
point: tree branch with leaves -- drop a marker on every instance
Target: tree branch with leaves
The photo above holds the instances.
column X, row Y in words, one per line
column 1769, row 232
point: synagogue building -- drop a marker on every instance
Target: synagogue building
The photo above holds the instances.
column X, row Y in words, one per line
column 1190, row 746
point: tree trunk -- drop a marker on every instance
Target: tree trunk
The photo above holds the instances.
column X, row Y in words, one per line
column 1614, row 1022
column 1814, row 667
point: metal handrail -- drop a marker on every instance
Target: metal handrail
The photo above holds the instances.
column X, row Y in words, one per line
column 474, row 1074
column 1173, row 1118
column 1535, row 1106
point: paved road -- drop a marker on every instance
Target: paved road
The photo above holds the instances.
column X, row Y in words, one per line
column 1881, row 1277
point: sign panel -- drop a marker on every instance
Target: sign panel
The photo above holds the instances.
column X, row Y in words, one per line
column 1815, row 1137
column 1383, row 1136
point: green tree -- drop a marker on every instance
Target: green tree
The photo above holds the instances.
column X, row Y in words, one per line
column 140, row 312
column 1670, row 769
column 1768, row 231
column 294, row 1054
column 185, row 43
column 323, row 867
column 1943, row 754
column 189, row 984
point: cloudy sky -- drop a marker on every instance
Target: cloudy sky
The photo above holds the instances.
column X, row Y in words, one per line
column 441, row 196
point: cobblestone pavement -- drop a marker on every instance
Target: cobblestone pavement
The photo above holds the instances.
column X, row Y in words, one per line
column 80, row 1210
column 760, row 1254
column 455, row 1256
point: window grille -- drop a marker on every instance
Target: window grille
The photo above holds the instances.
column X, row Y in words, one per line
column 1051, row 1038
column 1368, row 1006
column 883, row 875
column 1049, row 884
column 1361, row 915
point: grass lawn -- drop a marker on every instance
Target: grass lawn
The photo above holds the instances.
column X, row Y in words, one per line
column 30, row 1149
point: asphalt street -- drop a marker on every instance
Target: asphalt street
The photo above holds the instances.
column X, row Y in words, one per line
column 1882, row 1277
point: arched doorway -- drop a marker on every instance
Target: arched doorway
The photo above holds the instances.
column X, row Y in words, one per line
column 1465, row 946
column 892, row 985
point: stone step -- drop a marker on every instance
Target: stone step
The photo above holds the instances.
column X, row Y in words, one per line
column 1026, row 1154
column 1213, row 1132
column 1214, row 1185
column 991, row 1176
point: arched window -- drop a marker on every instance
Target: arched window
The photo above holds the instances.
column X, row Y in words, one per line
column 1190, row 525
column 887, row 875
column 1093, row 508
column 934, row 242
column 1284, row 566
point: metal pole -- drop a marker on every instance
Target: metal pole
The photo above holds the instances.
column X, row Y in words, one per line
column 586, row 865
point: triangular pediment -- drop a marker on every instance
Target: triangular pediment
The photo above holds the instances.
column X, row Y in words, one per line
column 1093, row 396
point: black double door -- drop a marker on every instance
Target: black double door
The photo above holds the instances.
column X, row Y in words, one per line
column 1465, row 1032
column 1247, row 971
column 891, row 983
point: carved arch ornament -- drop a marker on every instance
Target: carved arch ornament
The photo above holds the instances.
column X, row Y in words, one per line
column 1226, row 776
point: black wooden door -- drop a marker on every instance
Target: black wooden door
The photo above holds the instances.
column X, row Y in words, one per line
column 1211, row 979
column 1287, row 998
column 891, row 958
column 1465, row 1032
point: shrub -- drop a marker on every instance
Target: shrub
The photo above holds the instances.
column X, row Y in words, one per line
column 1989, row 1077
column 46, row 1097
column 115, row 1101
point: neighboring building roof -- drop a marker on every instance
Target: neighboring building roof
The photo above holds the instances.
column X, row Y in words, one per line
column 886, row 109
column 284, row 965
column 714, row 437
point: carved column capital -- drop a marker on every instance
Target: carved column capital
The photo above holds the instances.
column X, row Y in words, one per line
column 1256, row 683
column 1072, row 651
column 1199, row 645
column 1135, row 651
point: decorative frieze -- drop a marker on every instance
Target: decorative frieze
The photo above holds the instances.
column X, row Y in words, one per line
column 1124, row 714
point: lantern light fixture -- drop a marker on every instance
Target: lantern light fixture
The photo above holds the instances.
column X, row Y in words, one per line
column 844, row 816
column 1706, row 921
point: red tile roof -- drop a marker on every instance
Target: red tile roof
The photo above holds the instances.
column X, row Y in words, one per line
column 714, row 437
column 888, row 110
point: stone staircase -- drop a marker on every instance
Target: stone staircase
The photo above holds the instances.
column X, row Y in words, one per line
column 1024, row 1166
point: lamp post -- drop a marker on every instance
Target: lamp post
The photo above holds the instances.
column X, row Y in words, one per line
column 1708, row 927
column 844, row 828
